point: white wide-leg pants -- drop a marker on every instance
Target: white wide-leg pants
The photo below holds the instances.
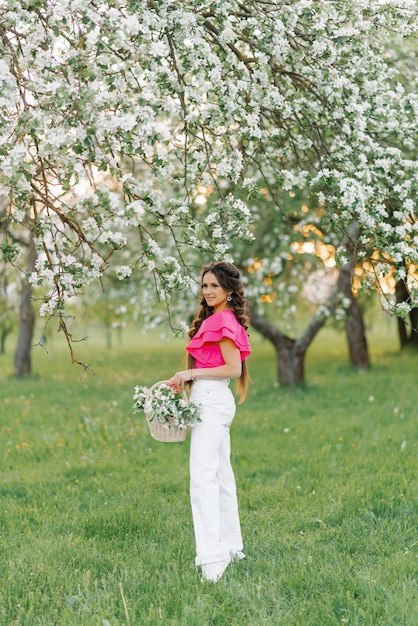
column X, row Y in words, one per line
column 212, row 482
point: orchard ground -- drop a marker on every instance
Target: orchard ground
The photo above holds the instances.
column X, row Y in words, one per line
column 95, row 523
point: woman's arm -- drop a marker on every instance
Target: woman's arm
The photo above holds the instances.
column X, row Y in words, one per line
column 231, row 369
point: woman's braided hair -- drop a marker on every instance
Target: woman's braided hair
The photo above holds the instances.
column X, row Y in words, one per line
column 229, row 279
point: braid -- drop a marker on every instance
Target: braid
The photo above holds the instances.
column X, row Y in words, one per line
column 204, row 312
column 240, row 307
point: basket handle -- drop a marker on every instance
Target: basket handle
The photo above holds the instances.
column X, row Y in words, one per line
column 161, row 382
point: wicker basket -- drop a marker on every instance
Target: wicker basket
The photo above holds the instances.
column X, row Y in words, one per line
column 163, row 432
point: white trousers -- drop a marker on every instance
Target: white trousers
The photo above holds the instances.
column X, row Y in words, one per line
column 212, row 483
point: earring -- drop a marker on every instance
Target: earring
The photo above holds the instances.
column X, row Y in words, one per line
column 229, row 298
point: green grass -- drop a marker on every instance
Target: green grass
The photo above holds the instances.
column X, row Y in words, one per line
column 95, row 523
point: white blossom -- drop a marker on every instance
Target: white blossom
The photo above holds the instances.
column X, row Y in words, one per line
column 123, row 271
column 112, row 121
column 116, row 238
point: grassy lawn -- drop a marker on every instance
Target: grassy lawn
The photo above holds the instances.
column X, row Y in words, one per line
column 95, row 524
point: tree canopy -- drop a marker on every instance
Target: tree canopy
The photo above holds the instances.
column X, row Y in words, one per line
column 138, row 133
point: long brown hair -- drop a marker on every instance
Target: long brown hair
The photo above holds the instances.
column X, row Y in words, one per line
column 229, row 279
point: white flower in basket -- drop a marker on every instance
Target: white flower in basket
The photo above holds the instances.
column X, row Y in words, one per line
column 168, row 410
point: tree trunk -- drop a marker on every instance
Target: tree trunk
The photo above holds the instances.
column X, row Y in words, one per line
column 354, row 323
column 356, row 336
column 413, row 316
column 3, row 338
column 401, row 296
column 108, row 336
column 23, row 362
column 290, row 353
column 406, row 338
column 291, row 362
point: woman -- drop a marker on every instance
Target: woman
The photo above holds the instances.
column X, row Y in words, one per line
column 217, row 351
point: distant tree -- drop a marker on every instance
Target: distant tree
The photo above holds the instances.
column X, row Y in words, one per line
column 19, row 249
column 108, row 306
column 291, row 351
column 23, row 359
column 293, row 282
column 8, row 312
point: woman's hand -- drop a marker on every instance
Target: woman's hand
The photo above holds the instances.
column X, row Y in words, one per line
column 231, row 369
column 180, row 378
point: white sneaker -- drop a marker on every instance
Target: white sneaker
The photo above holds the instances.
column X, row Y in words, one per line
column 214, row 571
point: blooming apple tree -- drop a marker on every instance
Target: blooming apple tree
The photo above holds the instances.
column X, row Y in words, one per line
column 120, row 119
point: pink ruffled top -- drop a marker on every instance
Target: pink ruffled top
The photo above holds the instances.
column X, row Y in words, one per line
column 204, row 346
